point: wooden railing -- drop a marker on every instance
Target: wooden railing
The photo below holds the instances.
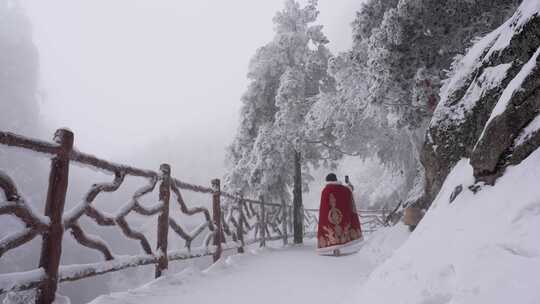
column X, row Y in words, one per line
column 370, row 219
column 233, row 222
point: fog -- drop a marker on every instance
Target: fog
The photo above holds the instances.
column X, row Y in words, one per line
column 142, row 83
column 135, row 79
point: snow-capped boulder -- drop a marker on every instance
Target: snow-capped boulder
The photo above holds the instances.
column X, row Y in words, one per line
column 489, row 105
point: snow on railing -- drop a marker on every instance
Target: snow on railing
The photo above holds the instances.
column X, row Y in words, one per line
column 226, row 227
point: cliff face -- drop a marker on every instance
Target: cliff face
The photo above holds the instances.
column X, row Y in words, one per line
column 490, row 105
column 482, row 165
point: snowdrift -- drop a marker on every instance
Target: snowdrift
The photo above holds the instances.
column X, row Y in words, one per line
column 480, row 248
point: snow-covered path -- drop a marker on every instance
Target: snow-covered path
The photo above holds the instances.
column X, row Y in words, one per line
column 294, row 274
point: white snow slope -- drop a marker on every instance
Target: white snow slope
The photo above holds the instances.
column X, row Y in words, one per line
column 293, row 274
column 482, row 248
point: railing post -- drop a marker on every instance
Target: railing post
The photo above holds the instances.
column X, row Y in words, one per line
column 216, row 207
column 240, row 228
column 163, row 219
column 284, row 222
column 51, row 248
column 263, row 222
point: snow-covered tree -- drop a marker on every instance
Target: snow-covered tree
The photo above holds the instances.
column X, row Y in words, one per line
column 285, row 75
column 423, row 35
column 18, row 70
column 388, row 83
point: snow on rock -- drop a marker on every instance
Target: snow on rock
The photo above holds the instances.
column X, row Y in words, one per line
column 481, row 248
column 488, row 80
column 512, row 88
column 532, row 127
column 527, row 10
column 489, row 97
column 480, row 53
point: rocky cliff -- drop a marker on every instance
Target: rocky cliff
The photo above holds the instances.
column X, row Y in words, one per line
column 489, row 106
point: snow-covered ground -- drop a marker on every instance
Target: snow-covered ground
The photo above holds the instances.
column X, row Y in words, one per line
column 480, row 248
column 294, row 274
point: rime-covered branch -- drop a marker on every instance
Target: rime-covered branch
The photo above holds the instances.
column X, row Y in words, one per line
column 332, row 147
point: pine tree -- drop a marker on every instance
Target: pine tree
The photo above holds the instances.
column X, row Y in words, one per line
column 285, row 75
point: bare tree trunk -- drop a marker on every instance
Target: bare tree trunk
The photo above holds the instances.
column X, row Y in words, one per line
column 298, row 209
column 284, row 222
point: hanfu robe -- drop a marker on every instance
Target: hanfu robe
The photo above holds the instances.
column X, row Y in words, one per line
column 339, row 225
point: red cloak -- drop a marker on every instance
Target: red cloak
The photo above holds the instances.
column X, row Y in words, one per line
column 339, row 224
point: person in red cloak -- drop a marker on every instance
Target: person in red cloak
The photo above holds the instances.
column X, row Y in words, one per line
column 339, row 225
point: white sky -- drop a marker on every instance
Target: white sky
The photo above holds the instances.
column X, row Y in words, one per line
column 121, row 73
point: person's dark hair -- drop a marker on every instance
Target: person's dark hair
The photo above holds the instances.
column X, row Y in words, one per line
column 331, row 177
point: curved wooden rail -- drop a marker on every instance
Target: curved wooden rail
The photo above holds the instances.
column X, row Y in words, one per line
column 231, row 226
column 225, row 227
